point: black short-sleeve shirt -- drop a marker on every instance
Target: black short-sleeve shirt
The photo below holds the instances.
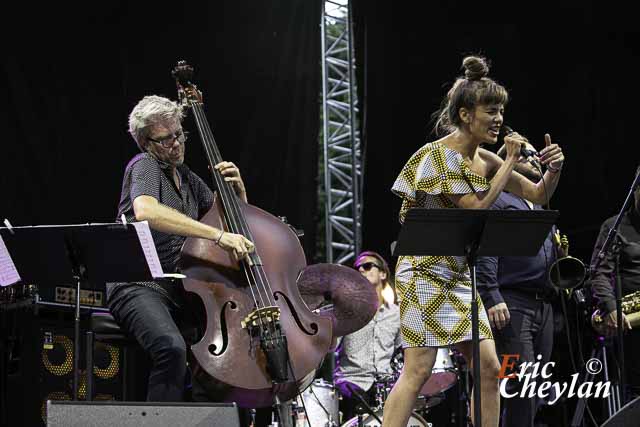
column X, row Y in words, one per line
column 145, row 175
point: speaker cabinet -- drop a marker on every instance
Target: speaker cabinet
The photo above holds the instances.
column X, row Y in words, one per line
column 135, row 414
column 42, row 367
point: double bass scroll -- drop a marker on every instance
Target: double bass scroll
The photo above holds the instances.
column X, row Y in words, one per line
column 260, row 340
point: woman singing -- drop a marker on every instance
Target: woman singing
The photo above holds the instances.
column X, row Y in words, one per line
column 435, row 291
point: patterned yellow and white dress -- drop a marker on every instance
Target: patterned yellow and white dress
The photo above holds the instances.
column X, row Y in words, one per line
column 435, row 291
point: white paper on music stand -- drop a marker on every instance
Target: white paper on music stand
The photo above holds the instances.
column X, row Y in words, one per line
column 149, row 249
column 8, row 273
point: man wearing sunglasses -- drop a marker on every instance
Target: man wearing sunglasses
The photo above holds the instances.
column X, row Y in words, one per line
column 159, row 188
column 365, row 355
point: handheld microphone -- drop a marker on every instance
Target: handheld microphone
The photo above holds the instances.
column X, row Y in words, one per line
column 530, row 155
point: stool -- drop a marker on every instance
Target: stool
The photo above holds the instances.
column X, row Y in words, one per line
column 103, row 328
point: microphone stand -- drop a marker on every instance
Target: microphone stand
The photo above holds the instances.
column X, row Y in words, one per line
column 611, row 247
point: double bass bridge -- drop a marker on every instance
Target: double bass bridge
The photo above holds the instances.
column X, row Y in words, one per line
column 261, row 317
column 264, row 323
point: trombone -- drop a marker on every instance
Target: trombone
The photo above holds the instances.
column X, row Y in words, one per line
column 566, row 272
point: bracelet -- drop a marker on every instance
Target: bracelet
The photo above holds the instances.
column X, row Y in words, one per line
column 553, row 170
column 219, row 237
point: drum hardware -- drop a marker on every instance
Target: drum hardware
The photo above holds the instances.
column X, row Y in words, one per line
column 368, row 409
column 375, row 420
column 316, row 406
column 383, row 385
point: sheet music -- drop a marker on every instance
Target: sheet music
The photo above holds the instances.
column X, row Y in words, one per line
column 8, row 273
column 149, row 248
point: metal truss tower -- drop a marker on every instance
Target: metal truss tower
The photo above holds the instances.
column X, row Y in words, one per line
column 341, row 137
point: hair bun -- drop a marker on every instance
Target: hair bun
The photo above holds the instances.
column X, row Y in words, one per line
column 475, row 67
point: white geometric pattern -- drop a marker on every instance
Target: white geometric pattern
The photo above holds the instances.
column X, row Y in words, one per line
column 435, row 291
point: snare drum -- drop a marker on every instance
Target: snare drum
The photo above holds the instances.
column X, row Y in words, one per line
column 414, row 421
column 321, row 402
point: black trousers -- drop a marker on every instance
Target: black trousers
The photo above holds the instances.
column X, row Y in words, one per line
column 529, row 334
column 159, row 322
column 152, row 318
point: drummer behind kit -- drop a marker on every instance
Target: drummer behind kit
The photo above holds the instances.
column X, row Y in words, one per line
column 321, row 398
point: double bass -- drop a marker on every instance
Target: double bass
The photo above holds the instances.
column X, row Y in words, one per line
column 260, row 341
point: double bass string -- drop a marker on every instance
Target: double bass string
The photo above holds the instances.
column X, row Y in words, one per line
column 234, row 221
column 217, row 177
column 227, row 198
column 234, row 218
column 241, row 225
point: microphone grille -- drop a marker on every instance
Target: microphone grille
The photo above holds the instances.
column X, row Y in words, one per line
column 504, row 131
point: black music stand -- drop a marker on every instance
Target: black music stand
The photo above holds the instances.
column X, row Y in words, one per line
column 88, row 255
column 472, row 233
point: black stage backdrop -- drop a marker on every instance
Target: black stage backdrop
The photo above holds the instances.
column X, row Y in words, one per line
column 70, row 75
column 571, row 69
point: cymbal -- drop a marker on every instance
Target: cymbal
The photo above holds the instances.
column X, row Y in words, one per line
column 340, row 293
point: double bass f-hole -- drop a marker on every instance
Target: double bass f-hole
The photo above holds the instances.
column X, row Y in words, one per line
column 266, row 303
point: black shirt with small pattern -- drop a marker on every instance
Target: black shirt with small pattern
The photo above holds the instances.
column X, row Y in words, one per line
column 147, row 176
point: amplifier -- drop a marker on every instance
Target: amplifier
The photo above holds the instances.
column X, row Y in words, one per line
column 138, row 414
column 17, row 296
column 66, row 295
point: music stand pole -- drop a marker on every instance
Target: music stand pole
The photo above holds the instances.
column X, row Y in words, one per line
column 76, row 342
column 79, row 273
column 471, row 254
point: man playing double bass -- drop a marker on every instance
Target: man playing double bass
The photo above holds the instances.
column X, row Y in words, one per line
column 159, row 188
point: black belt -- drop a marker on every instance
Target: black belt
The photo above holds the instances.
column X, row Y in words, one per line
column 537, row 294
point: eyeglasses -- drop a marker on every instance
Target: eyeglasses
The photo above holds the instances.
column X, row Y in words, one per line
column 167, row 142
column 368, row 266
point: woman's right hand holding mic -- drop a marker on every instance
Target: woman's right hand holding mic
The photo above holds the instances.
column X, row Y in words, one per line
column 513, row 144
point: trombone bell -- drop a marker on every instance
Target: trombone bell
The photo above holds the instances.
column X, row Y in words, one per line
column 567, row 273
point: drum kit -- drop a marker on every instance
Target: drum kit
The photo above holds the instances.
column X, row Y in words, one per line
column 318, row 405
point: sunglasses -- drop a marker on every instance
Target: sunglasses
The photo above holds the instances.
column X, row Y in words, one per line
column 368, row 266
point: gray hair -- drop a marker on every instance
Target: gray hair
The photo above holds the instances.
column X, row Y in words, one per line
column 151, row 110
